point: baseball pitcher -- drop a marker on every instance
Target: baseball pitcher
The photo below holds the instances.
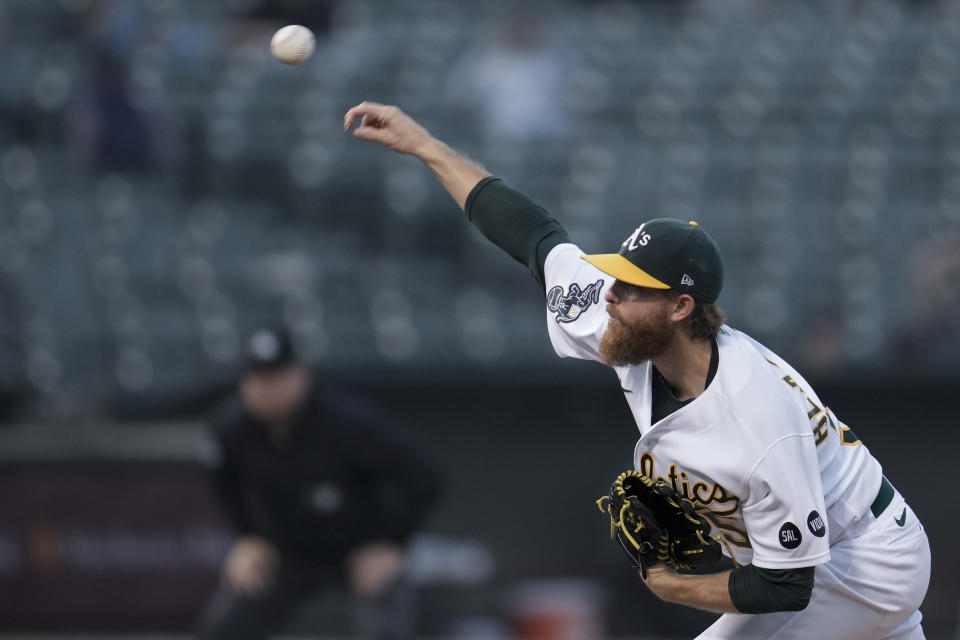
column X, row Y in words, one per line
column 735, row 446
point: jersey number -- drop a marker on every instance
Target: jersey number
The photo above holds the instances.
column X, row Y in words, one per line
column 821, row 419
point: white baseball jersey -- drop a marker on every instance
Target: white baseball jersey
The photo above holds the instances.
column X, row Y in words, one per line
column 779, row 474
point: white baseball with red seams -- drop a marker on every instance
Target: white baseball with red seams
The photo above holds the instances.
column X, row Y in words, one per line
column 292, row 44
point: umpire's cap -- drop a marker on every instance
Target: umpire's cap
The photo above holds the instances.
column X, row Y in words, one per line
column 667, row 254
column 268, row 349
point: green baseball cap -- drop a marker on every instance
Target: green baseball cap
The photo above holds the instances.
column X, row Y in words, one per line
column 667, row 254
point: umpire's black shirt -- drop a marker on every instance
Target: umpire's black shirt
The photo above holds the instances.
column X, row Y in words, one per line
column 342, row 479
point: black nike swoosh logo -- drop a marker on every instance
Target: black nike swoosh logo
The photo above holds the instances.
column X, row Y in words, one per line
column 626, row 390
column 902, row 518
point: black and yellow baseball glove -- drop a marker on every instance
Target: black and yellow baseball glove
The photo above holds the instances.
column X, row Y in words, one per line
column 654, row 524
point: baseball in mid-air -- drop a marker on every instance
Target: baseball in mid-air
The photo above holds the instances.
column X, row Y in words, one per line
column 292, row 44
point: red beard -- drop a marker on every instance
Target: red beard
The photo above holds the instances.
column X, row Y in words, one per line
column 632, row 344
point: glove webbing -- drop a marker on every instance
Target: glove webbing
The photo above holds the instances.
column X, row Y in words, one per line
column 616, row 523
column 663, row 551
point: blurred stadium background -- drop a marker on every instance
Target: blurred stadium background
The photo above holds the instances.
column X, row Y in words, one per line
column 165, row 186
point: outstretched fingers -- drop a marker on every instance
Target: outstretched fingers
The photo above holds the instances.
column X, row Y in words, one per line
column 373, row 121
column 370, row 114
column 387, row 125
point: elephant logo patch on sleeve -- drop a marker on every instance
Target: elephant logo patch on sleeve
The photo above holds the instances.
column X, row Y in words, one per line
column 571, row 304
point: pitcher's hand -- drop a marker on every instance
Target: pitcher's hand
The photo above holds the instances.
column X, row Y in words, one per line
column 389, row 126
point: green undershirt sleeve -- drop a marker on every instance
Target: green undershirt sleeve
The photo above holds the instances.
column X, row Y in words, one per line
column 757, row 590
column 514, row 223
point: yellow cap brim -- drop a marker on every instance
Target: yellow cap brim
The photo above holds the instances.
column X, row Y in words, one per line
column 616, row 265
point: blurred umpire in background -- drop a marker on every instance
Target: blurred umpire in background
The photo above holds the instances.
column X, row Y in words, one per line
column 322, row 493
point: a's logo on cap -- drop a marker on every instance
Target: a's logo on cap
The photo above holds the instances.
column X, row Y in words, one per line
column 636, row 239
column 686, row 280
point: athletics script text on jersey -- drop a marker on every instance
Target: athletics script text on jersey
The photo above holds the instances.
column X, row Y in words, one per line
column 713, row 501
